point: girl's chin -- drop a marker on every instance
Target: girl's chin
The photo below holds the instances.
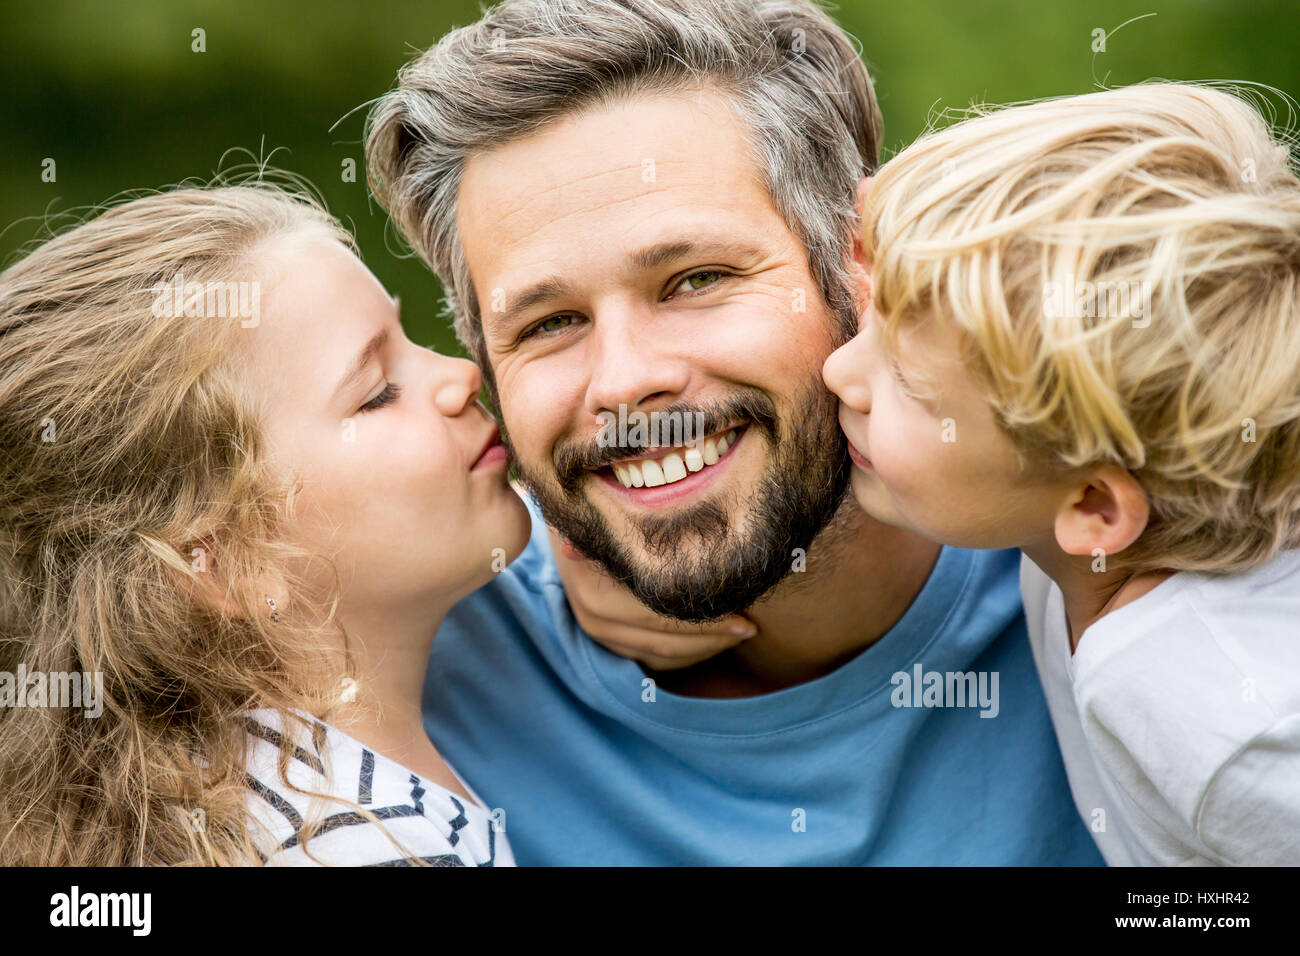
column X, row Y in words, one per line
column 488, row 542
column 507, row 531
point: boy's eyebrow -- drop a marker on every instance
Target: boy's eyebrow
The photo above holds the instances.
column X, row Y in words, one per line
column 642, row 260
column 363, row 359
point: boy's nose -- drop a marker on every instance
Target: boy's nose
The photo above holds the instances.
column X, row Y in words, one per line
column 845, row 374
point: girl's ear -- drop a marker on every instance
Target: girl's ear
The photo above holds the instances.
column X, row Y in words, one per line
column 1107, row 511
column 210, row 585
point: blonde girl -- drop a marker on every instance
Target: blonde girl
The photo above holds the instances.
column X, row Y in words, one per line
column 237, row 496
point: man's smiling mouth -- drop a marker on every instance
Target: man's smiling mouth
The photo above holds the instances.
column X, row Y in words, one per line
column 674, row 464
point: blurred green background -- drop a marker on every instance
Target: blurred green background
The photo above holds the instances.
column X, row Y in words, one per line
column 115, row 95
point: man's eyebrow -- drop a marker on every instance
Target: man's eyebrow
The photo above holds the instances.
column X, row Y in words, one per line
column 363, row 359
column 642, row 260
column 654, row 256
column 552, row 287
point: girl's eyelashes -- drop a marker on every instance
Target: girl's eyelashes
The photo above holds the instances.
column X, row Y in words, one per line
column 386, row 397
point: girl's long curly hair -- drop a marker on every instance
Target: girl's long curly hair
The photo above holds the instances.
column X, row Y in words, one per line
column 132, row 476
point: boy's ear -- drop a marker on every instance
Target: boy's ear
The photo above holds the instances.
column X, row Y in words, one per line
column 1108, row 510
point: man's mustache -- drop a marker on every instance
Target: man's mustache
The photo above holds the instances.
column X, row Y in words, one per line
column 575, row 457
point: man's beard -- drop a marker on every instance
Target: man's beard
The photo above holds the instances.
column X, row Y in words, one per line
column 698, row 564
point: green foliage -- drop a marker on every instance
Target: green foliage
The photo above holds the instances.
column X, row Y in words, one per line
column 114, row 93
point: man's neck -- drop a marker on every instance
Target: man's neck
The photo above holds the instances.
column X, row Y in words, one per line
column 859, row 577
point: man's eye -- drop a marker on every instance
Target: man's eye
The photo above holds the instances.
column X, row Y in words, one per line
column 386, row 397
column 699, row 280
column 549, row 326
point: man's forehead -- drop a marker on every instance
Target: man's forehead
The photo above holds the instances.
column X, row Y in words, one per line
column 624, row 159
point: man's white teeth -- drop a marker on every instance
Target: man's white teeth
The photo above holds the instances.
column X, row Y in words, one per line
column 675, row 465
column 629, row 475
column 653, row 474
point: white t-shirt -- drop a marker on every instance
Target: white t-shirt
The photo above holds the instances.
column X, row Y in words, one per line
column 429, row 822
column 1179, row 715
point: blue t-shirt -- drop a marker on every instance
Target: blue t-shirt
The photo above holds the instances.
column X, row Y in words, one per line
column 592, row 765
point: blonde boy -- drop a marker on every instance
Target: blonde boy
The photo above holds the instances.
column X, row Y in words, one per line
column 1084, row 341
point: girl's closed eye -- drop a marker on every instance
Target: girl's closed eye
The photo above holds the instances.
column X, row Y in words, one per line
column 386, row 397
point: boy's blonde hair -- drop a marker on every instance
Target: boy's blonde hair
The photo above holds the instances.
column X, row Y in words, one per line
column 1123, row 270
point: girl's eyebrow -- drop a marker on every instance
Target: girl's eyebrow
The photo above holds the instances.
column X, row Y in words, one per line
column 367, row 354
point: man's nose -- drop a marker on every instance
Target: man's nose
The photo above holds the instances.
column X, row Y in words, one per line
column 630, row 365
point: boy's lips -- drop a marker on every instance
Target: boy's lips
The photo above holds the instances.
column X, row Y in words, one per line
column 859, row 459
column 849, row 417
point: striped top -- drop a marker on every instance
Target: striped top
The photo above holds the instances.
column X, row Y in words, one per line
column 430, row 823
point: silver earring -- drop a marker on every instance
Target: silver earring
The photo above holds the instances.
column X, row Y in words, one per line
column 275, row 615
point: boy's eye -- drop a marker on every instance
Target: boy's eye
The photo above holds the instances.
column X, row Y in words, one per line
column 902, row 382
column 386, row 397
column 699, row 280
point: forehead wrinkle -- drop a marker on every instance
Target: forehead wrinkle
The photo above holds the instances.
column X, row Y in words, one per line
column 605, row 204
column 527, row 197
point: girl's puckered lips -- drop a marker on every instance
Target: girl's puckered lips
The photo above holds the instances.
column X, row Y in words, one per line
column 493, row 453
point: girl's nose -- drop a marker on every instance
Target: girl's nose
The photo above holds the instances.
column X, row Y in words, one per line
column 456, row 385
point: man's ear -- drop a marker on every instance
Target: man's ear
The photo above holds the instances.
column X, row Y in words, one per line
column 1107, row 510
column 859, row 267
column 863, row 184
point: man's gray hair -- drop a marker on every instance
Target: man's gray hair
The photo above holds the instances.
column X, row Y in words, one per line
column 792, row 74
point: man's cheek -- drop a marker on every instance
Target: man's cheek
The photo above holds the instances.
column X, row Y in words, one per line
column 533, row 419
